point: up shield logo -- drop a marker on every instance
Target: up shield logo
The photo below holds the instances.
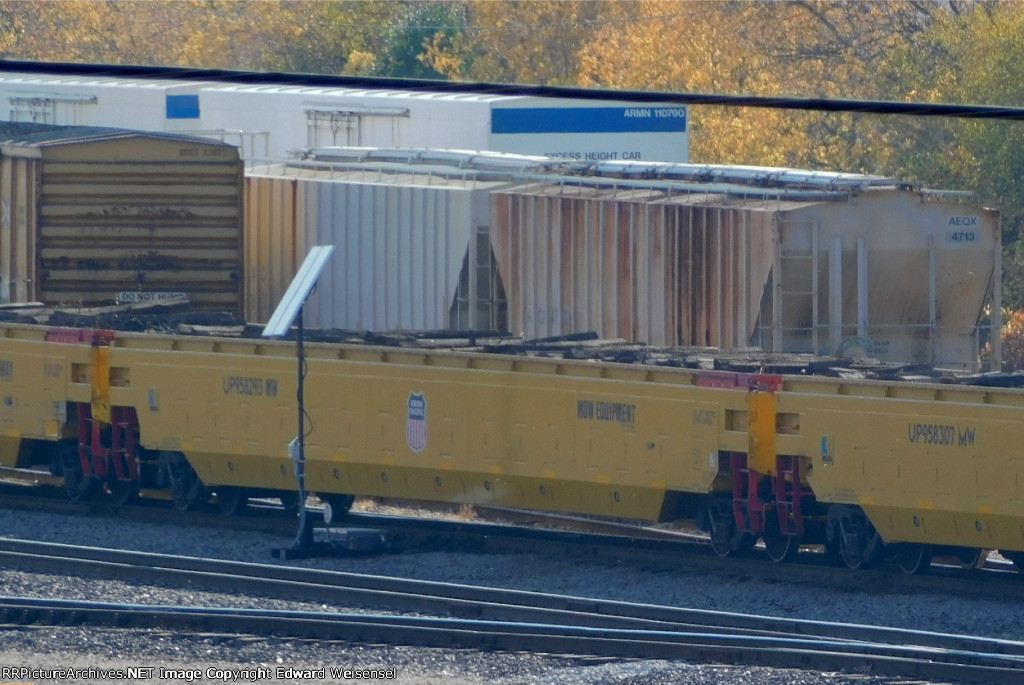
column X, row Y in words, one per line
column 416, row 426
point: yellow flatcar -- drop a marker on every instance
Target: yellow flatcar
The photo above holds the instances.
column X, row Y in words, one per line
column 862, row 466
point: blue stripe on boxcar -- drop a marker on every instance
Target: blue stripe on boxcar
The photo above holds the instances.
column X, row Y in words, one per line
column 182, row 106
column 587, row 119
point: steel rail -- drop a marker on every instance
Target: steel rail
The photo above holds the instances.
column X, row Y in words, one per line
column 792, row 652
column 672, row 550
column 455, row 599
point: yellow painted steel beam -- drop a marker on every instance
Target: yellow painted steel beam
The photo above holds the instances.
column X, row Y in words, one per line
column 762, row 409
column 100, row 358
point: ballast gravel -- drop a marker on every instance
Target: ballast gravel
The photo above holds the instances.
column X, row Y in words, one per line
column 186, row 658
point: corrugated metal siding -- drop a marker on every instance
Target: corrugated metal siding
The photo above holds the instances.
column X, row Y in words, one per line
column 402, row 242
column 19, row 182
column 399, row 251
column 875, row 273
column 273, row 243
column 635, row 264
column 782, row 259
column 140, row 213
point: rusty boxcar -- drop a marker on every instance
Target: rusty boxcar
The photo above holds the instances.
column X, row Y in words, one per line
column 96, row 215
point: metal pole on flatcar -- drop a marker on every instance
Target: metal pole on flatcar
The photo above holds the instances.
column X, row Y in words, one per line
column 302, row 538
column 288, row 309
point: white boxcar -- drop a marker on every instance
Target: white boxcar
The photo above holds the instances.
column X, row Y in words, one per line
column 268, row 121
column 139, row 104
column 303, row 117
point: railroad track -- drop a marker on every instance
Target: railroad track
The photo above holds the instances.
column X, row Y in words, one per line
column 482, row 618
column 515, row 531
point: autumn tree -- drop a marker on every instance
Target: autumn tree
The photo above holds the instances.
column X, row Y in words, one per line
column 208, row 33
column 521, row 42
column 914, row 50
column 423, row 24
column 973, row 55
column 807, row 48
column 262, row 35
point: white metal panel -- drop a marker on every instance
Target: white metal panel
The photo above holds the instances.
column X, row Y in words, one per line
column 402, row 238
column 399, row 253
column 91, row 101
column 908, row 275
column 268, row 121
column 295, row 297
column 376, row 118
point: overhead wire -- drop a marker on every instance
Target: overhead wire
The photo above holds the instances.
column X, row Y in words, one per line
column 818, row 104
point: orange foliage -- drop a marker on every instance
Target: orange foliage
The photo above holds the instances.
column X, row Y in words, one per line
column 1013, row 340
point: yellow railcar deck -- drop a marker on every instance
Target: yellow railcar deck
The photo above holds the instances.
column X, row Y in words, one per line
column 926, row 462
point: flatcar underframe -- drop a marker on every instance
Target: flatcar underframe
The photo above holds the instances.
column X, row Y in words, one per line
column 867, row 468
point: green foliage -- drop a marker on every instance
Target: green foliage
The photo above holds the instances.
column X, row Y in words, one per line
column 424, row 24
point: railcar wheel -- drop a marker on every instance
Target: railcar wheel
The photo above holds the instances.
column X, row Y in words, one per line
column 854, row 559
column 186, row 488
column 722, row 544
column 970, row 557
column 780, row 546
column 231, row 500
column 723, row 530
column 914, row 558
column 188, row 491
column 336, row 506
column 123, row 491
column 863, row 555
column 859, row 542
column 833, row 539
column 731, row 544
column 721, row 525
column 78, row 487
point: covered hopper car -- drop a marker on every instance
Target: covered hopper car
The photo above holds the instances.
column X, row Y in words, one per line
column 787, row 260
column 863, row 466
column 668, row 254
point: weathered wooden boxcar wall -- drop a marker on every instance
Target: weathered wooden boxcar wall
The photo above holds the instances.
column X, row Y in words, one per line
column 96, row 216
